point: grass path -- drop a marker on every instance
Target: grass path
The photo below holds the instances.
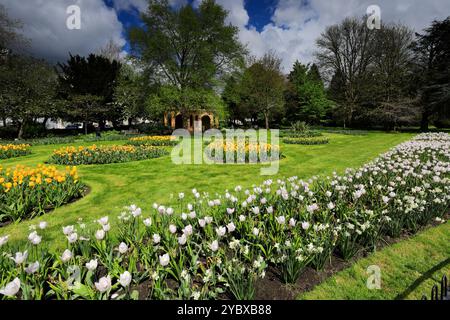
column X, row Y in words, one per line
column 159, row 180
column 409, row 269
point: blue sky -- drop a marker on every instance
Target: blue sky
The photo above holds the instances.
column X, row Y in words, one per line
column 288, row 27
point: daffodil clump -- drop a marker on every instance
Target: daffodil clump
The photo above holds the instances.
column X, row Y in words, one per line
column 220, row 246
column 236, row 151
column 26, row 192
column 14, row 150
column 104, row 154
column 154, row 141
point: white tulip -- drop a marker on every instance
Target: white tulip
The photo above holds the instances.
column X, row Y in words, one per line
column 123, row 248
column 20, row 257
column 164, row 259
column 305, row 225
column 68, row 230
column 103, row 221
column 125, row 279
column 72, row 238
column 148, row 222
column 32, row 268
column 3, row 240
column 66, row 256
column 92, row 265
column 42, row 225
column 182, row 240
column 256, row 231
column 169, row 211
column 270, row 210
column 230, row 210
column 221, row 231
column 11, row 289
column 172, row 229
column 100, row 234
column 104, row 284
column 281, row 219
column 192, row 214
column 292, row 222
column 188, row 230
column 156, row 238
column 181, row 195
column 106, row 227
column 242, row 218
column 214, row 246
column 231, row 227
column 202, row 223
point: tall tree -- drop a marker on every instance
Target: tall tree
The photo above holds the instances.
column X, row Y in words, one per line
column 27, row 90
column 305, row 95
column 263, row 86
column 432, row 54
column 347, row 49
column 186, row 50
column 87, row 84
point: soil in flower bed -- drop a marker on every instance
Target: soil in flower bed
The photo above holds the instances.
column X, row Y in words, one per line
column 271, row 287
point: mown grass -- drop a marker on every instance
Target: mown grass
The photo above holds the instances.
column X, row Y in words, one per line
column 409, row 269
column 142, row 183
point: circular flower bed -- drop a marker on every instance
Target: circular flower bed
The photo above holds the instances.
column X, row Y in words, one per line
column 154, row 141
column 12, row 150
column 232, row 152
column 306, row 141
column 104, row 154
column 26, row 192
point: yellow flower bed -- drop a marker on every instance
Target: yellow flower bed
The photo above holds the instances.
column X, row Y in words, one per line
column 252, row 151
column 26, row 192
column 154, row 141
column 14, row 150
column 104, row 154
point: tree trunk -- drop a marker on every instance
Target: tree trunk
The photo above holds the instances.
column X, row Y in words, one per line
column 44, row 123
column 267, row 121
column 21, row 130
column 425, row 121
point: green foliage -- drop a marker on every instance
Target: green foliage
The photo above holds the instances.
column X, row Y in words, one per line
column 87, row 86
column 306, row 141
column 305, row 94
column 185, row 50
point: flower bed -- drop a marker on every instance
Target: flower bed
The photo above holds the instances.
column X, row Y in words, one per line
column 219, row 247
column 306, row 141
column 104, row 154
column 154, row 141
column 241, row 152
column 14, row 150
column 27, row 192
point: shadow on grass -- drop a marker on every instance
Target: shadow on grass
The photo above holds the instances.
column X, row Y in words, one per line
column 427, row 275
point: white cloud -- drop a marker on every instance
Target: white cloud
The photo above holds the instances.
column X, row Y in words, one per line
column 296, row 24
column 45, row 25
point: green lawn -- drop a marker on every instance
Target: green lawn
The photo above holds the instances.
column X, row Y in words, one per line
column 159, row 180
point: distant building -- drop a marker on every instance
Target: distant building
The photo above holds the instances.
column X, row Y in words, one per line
column 205, row 119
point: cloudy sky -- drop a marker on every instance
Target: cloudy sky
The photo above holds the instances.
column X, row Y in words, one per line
column 290, row 27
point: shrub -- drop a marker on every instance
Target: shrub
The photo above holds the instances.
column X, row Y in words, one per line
column 14, row 150
column 306, row 141
column 27, row 192
column 104, row 154
column 154, row 141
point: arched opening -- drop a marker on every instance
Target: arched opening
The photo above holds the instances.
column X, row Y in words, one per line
column 179, row 122
column 191, row 122
column 206, row 123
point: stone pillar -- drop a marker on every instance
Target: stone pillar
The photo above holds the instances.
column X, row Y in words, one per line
column 166, row 120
